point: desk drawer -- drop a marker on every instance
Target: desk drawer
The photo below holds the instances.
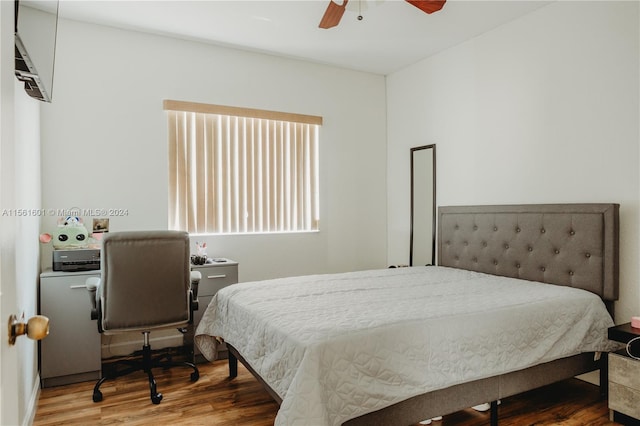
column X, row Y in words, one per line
column 216, row 277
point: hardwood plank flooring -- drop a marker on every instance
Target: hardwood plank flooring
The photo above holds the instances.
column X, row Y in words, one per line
column 216, row 400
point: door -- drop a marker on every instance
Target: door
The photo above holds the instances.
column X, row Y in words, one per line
column 9, row 403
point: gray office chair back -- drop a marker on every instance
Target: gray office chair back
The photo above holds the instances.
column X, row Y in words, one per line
column 145, row 280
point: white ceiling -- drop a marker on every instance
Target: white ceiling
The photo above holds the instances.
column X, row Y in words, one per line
column 392, row 34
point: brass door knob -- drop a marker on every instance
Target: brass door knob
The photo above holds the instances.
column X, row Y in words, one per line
column 37, row 328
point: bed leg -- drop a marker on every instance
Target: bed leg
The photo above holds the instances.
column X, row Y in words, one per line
column 233, row 366
column 494, row 413
column 604, row 374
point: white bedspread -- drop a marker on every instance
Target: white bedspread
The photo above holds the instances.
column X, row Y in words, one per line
column 337, row 346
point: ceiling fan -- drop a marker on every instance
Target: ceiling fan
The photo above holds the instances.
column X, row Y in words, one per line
column 334, row 11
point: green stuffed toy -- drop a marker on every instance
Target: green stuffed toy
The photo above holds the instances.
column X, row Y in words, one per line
column 70, row 234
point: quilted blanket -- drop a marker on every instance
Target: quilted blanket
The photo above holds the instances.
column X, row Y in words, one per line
column 338, row 346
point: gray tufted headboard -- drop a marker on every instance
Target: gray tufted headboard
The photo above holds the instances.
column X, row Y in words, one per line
column 567, row 244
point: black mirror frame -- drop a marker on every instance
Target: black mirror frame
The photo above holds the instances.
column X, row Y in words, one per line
column 433, row 225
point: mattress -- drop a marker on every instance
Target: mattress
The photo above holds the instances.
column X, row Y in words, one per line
column 338, row 346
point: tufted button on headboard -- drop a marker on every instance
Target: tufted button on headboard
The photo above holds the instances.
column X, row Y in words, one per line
column 566, row 244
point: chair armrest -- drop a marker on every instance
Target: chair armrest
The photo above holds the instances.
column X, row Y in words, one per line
column 196, row 276
column 92, row 285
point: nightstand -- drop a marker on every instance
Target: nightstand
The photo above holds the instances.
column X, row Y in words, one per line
column 624, row 378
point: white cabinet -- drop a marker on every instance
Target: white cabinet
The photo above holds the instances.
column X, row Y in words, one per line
column 71, row 351
column 214, row 277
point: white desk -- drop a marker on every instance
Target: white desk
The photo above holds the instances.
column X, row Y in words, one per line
column 72, row 351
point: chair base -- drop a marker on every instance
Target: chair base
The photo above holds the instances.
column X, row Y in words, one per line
column 146, row 364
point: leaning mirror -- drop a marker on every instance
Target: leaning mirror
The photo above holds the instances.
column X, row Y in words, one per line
column 423, row 205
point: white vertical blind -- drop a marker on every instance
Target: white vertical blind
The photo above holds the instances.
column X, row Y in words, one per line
column 236, row 174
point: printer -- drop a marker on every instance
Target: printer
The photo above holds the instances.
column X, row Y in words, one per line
column 76, row 260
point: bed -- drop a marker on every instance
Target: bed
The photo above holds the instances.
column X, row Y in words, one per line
column 396, row 346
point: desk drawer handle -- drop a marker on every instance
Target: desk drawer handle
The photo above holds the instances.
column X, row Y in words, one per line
column 217, row 276
column 73, row 287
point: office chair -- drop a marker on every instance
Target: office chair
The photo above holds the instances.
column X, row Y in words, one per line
column 146, row 284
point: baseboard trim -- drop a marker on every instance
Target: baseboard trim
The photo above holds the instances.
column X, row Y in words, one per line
column 32, row 405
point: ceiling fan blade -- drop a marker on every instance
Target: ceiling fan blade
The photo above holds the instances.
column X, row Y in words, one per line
column 428, row 6
column 333, row 14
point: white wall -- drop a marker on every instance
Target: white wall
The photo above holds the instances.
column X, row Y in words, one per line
column 105, row 141
column 541, row 110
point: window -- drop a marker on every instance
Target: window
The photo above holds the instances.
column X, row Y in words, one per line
column 237, row 170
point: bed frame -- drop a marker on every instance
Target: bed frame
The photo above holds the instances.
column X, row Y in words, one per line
column 565, row 244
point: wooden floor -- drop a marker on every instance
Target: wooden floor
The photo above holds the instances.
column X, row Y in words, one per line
column 216, row 400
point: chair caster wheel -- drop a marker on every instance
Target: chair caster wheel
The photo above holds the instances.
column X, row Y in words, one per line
column 195, row 376
column 97, row 396
column 156, row 398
